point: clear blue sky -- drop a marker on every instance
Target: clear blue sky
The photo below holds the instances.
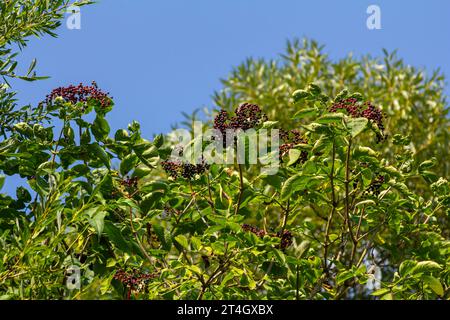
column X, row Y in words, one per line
column 158, row 58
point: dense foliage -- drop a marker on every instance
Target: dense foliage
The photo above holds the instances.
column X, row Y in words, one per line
column 355, row 210
column 415, row 104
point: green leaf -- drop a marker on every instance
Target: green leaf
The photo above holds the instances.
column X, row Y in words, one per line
column 366, row 203
column 364, row 151
column 341, row 95
column 406, row 267
column 426, row 266
column 121, row 135
column 269, row 124
column 115, row 236
column 380, row 292
column 391, row 170
column 322, row 143
column 23, row 128
column 218, row 248
column 128, row 163
column 344, row 276
column 127, row 203
column 100, row 153
column 427, row 164
column 356, row 125
column 280, row 256
column 158, row 141
column 182, row 240
column 2, row 181
column 292, row 184
column 299, row 95
column 434, row 284
column 100, row 128
column 308, row 112
column 317, row 128
column 331, row 118
column 303, row 248
column 294, row 155
column 196, row 243
column 314, row 89
column 98, row 222
column 141, row 172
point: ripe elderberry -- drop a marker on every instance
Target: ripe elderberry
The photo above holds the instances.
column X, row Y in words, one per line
column 133, row 280
column 247, row 116
column 375, row 186
column 290, row 139
column 255, row 230
column 152, row 238
column 285, row 237
column 176, row 169
column 80, row 93
column 169, row 211
column 129, row 183
column 365, row 110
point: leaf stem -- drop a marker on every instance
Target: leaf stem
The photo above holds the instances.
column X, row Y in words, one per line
column 333, row 209
column 241, row 189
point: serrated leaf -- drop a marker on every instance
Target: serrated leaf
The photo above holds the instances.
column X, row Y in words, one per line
column 308, row 112
column 356, row 125
column 292, row 184
column 425, row 266
column 331, row 118
column 98, row 222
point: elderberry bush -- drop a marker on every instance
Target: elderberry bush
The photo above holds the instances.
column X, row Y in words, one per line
column 218, row 231
column 358, row 207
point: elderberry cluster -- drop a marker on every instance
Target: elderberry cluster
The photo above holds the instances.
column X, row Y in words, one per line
column 130, row 183
column 246, row 116
column 365, row 110
column 152, row 238
column 177, row 169
column 168, row 210
column 294, row 136
column 80, row 93
column 249, row 228
column 134, row 279
column 290, row 139
column 375, row 186
column 285, row 237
